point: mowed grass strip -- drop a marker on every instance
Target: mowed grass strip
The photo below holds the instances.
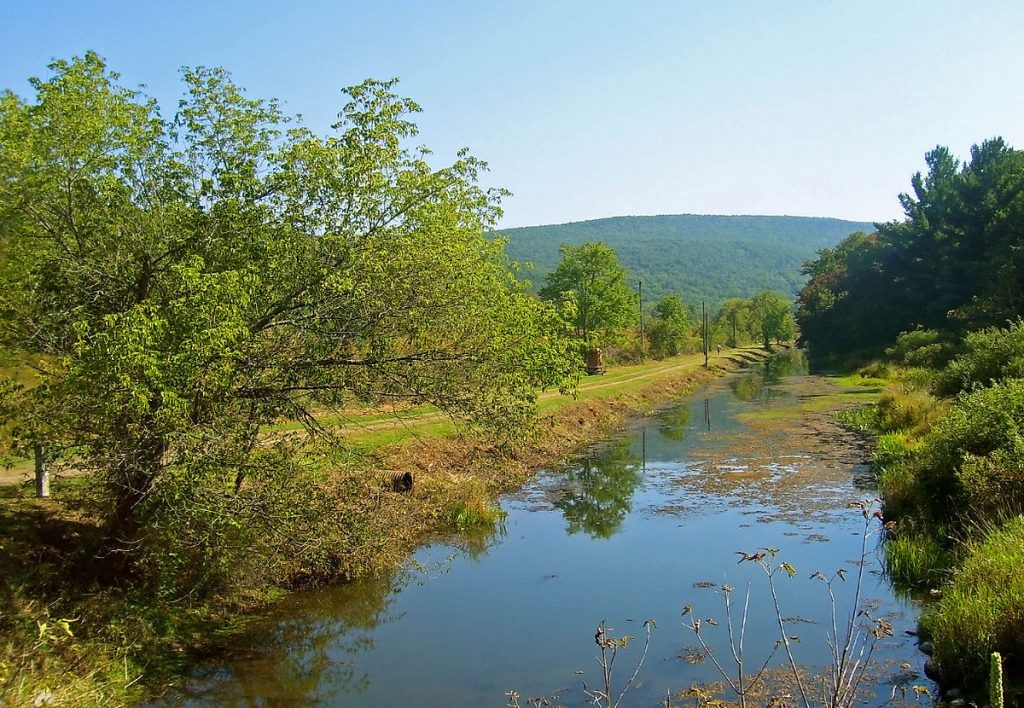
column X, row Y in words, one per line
column 371, row 432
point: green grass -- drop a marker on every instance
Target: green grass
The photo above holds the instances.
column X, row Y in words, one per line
column 982, row 610
column 335, row 420
column 915, row 560
column 368, row 441
column 619, row 381
column 856, row 380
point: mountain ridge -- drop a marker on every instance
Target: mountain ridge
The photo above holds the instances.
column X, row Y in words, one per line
column 708, row 257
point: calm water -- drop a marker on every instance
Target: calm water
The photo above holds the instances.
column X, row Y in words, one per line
column 631, row 530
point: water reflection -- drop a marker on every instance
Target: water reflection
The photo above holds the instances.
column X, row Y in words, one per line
column 667, row 504
column 598, row 491
column 306, row 652
column 759, row 382
column 674, row 423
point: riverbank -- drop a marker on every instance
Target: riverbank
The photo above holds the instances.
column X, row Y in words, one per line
column 68, row 644
column 631, row 528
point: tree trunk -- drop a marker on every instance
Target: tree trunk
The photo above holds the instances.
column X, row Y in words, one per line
column 42, row 471
column 132, row 484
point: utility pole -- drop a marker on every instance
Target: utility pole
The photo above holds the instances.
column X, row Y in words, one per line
column 704, row 333
column 643, row 339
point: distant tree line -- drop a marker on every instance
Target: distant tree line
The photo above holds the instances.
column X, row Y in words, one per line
column 675, row 254
column 595, row 294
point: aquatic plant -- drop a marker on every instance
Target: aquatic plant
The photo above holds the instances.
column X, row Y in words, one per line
column 609, row 647
column 851, row 641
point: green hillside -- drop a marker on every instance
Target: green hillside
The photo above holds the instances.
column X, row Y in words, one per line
column 701, row 257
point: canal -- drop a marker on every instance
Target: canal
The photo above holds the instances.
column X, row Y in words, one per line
column 637, row 528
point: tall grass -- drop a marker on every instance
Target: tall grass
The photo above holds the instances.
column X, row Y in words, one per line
column 915, row 559
column 982, row 610
column 463, row 502
column 908, row 408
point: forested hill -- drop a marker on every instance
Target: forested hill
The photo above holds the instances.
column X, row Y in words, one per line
column 700, row 257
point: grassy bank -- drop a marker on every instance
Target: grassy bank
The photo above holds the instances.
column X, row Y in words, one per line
column 68, row 638
column 948, row 459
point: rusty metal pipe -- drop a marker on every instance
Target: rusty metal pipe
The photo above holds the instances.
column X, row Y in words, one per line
column 398, row 480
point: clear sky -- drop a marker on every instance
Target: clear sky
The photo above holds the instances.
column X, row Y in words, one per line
column 591, row 108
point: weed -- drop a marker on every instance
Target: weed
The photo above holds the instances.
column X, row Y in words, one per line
column 609, row 647
column 851, row 642
column 463, row 502
column 892, row 448
column 906, row 408
column 862, row 419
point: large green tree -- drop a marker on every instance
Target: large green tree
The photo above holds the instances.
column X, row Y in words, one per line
column 670, row 330
column 590, row 287
column 179, row 284
column 733, row 321
column 771, row 317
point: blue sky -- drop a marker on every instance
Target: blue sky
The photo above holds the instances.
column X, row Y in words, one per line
column 592, row 109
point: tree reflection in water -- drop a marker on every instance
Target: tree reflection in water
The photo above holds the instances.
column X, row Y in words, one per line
column 773, row 370
column 599, row 490
column 306, row 651
column 674, row 423
column 302, row 654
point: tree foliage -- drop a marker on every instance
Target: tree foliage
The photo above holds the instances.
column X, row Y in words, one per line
column 733, row 321
column 181, row 283
column 671, row 330
column 953, row 264
column 590, row 287
column 771, row 317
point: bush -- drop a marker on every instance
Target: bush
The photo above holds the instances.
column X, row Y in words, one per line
column 982, row 610
column 990, row 355
column 891, row 448
column 993, row 484
column 921, row 348
column 899, row 489
column 907, row 409
column 876, row 370
column 971, row 463
column 915, row 558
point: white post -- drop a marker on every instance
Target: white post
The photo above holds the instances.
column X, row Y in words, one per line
column 42, row 471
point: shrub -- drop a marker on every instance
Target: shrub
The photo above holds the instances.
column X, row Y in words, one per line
column 971, row 461
column 922, row 348
column 922, row 378
column 993, row 484
column 877, row 370
column 990, row 355
column 906, row 408
column 982, row 610
column 891, row 448
column 899, row 489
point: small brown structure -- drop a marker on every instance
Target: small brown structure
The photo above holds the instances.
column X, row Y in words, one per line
column 595, row 362
column 397, row 480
